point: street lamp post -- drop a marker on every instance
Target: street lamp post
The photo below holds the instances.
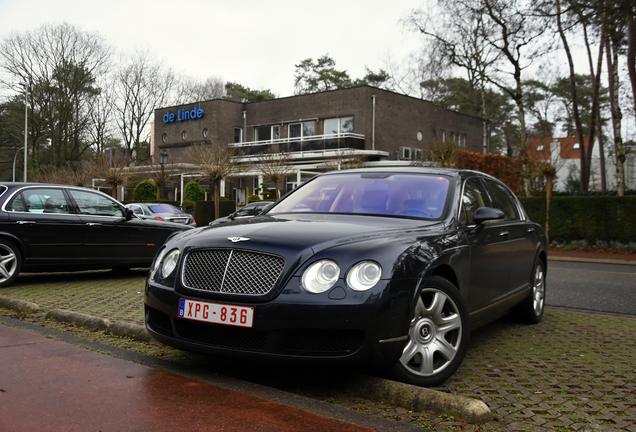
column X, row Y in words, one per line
column 163, row 160
column 15, row 158
column 26, row 112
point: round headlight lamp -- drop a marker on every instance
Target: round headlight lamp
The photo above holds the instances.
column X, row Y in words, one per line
column 157, row 263
column 170, row 263
column 364, row 275
column 320, row 276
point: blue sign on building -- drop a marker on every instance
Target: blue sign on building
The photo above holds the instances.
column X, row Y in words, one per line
column 183, row 115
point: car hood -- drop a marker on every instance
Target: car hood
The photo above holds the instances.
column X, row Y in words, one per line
column 317, row 232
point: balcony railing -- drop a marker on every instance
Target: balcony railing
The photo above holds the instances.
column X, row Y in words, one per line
column 304, row 144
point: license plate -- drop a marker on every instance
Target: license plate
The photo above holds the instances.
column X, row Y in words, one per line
column 216, row 313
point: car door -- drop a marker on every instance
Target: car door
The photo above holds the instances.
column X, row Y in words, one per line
column 489, row 248
column 45, row 222
column 108, row 236
column 519, row 233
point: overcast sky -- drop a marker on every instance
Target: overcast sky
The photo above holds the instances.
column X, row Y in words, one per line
column 253, row 42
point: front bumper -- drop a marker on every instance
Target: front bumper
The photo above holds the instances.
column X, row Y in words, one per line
column 339, row 326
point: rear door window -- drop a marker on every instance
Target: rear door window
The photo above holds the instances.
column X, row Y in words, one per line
column 36, row 200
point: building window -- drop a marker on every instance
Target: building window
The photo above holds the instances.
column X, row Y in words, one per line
column 301, row 130
column 576, row 146
column 540, row 147
column 262, row 133
column 462, row 140
column 420, row 136
column 266, row 133
column 184, row 135
column 238, row 135
column 443, row 133
column 164, row 137
column 336, row 126
column 205, row 132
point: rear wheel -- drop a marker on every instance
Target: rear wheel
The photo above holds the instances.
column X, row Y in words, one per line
column 438, row 335
column 531, row 309
column 10, row 263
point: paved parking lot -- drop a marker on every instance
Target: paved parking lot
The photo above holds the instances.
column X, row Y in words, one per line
column 574, row 369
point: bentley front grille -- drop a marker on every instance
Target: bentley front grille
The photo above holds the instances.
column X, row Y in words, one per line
column 232, row 271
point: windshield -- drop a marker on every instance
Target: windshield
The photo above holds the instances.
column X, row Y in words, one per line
column 415, row 195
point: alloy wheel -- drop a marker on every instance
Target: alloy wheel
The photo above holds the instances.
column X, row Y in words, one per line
column 435, row 334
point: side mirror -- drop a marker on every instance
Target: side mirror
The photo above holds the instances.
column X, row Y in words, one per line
column 129, row 214
column 483, row 214
column 232, row 216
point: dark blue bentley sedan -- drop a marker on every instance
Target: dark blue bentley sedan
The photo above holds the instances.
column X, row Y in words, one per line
column 375, row 267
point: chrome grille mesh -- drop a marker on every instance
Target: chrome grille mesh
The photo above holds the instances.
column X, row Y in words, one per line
column 232, row 271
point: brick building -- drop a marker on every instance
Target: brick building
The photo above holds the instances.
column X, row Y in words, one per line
column 385, row 128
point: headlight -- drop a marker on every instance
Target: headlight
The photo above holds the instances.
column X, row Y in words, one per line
column 170, row 263
column 157, row 263
column 364, row 275
column 320, row 276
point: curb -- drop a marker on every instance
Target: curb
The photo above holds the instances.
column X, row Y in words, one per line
column 18, row 305
column 118, row 328
column 591, row 260
column 405, row 395
column 409, row 396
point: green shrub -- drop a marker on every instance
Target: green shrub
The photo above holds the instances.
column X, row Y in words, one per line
column 146, row 190
column 188, row 205
column 193, row 192
column 253, row 198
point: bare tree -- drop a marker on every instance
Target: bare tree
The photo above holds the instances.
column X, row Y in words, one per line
column 140, row 86
column 101, row 114
column 160, row 176
column 113, row 169
column 443, row 154
column 191, row 90
column 59, row 65
column 345, row 159
column 612, row 47
column 581, row 17
column 55, row 175
column 217, row 162
column 275, row 166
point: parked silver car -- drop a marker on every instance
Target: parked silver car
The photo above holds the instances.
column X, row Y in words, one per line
column 161, row 212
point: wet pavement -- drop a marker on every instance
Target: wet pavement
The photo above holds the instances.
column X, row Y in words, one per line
column 49, row 385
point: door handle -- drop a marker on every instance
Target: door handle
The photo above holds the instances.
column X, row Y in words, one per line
column 93, row 224
column 504, row 234
column 530, row 230
column 25, row 222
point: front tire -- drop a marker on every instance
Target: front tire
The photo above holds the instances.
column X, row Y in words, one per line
column 10, row 263
column 438, row 335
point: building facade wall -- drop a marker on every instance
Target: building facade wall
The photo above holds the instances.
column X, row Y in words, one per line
column 215, row 125
column 400, row 121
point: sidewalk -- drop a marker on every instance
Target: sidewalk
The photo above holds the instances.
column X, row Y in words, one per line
column 49, row 385
column 585, row 256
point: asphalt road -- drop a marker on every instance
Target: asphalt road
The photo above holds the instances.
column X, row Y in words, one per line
column 592, row 286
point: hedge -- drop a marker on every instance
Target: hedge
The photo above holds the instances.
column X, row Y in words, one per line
column 590, row 218
column 204, row 213
column 504, row 168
